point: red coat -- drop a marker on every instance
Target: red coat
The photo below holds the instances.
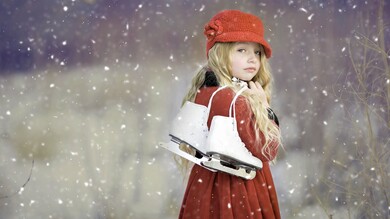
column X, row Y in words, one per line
column 220, row 195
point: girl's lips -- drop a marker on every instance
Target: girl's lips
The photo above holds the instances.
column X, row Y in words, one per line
column 250, row 69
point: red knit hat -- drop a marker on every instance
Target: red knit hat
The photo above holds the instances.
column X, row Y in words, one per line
column 235, row 26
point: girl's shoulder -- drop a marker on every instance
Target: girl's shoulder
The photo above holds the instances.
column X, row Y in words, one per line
column 224, row 96
column 226, row 92
column 222, row 100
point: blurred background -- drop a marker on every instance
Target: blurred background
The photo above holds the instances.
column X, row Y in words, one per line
column 88, row 88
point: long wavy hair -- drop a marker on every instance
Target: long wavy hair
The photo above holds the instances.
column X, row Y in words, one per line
column 219, row 62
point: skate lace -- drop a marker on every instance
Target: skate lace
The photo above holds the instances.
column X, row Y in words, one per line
column 232, row 112
column 232, row 109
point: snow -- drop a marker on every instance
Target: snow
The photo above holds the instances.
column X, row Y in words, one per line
column 88, row 88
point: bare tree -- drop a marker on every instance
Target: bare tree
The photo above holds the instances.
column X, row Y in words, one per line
column 359, row 178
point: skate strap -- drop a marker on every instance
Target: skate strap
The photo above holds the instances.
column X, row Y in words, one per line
column 212, row 96
column 232, row 109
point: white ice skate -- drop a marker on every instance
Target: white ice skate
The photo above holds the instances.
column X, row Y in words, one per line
column 228, row 153
column 190, row 128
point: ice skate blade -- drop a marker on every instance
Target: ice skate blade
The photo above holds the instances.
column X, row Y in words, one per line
column 240, row 171
column 233, row 161
column 179, row 141
column 174, row 147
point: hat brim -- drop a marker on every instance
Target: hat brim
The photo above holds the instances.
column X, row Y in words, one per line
column 244, row 37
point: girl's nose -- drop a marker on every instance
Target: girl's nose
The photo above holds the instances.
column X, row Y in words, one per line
column 252, row 57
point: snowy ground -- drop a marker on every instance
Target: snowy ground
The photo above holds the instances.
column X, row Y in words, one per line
column 92, row 134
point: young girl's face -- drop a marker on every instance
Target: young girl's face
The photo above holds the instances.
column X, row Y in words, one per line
column 245, row 60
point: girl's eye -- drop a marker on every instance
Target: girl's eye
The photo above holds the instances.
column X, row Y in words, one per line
column 241, row 50
column 258, row 53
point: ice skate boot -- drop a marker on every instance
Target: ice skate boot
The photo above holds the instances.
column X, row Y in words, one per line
column 228, row 153
column 190, row 128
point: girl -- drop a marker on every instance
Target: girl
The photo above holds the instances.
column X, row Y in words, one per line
column 237, row 54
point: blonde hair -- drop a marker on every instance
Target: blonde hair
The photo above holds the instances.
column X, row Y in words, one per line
column 219, row 63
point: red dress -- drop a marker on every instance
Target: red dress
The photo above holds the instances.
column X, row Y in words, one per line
column 224, row 196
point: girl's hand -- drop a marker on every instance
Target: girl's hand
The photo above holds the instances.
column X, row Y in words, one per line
column 255, row 88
